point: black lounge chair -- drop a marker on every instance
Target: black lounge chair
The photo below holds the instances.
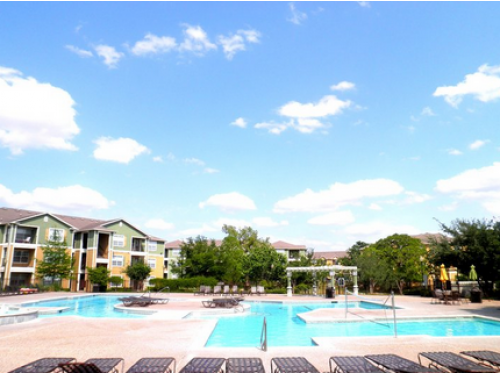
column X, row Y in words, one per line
column 150, row 365
column 292, row 365
column 43, row 365
column 352, row 364
column 78, row 367
column 244, row 365
column 395, row 363
column 107, row 364
column 452, row 362
column 485, row 357
column 204, row 365
column 140, row 301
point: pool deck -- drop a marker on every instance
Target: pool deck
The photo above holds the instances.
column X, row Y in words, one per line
column 166, row 334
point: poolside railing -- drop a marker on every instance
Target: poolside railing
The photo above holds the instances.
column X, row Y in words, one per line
column 263, row 336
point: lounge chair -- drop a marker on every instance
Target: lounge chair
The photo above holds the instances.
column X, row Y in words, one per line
column 43, row 365
column 292, row 365
column 485, row 357
column 352, row 364
column 261, row 291
column 225, row 291
column 208, row 290
column 150, row 365
column 437, row 296
column 244, row 365
column 253, row 290
column 78, row 367
column 217, row 290
column 204, row 365
column 395, row 363
column 452, row 362
column 234, row 290
column 201, row 291
column 133, row 300
column 107, row 364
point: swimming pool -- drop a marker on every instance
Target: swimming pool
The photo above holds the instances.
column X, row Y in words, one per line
column 284, row 328
column 87, row 306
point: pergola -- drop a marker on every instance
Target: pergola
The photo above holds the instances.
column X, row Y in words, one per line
column 352, row 269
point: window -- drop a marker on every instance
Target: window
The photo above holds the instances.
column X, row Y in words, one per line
column 152, row 263
column 21, row 256
column 117, row 261
column 176, row 252
column 138, row 244
column 56, row 235
column 152, row 246
column 118, row 240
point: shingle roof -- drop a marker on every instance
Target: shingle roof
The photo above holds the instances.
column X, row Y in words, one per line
column 282, row 245
column 9, row 215
column 425, row 237
column 178, row 243
column 329, row 254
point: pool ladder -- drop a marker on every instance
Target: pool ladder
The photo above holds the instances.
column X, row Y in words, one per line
column 263, row 336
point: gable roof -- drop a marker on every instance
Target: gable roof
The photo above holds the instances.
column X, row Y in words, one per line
column 282, row 245
column 329, row 254
column 425, row 237
column 178, row 243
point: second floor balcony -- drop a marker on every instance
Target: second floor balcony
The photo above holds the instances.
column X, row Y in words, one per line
column 25, row 235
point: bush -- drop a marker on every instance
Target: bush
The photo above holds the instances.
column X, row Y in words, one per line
column 182, row 285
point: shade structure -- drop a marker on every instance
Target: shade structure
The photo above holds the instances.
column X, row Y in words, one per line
column 472, row 273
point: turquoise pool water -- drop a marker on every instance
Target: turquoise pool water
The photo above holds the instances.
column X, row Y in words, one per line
column 284, row 328
column 88, row 306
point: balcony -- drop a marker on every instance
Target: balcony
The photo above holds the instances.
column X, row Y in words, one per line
column 138, row 245
column 25, row 236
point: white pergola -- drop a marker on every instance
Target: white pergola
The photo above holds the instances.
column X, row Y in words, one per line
column 314, row 269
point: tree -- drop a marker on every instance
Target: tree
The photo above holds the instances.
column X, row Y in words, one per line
column 353, row 254
column 200, row 257
column 56, row 263
column 138, row 272
column 98, row 275
column 470, row 242
column 373, row 270
column 402, row 256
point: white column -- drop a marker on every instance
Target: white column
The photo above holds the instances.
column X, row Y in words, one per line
column 289, row 292
column 355, row 282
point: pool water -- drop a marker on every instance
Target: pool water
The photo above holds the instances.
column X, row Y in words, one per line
column 284, row 328
column 88, row 306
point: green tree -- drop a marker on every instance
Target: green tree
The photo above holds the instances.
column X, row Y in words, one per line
column 98, row 275
column 138, row 272
column 470, row 242
column 353, row 254
column 200, row 257
column 401, row 256
column 56, row 264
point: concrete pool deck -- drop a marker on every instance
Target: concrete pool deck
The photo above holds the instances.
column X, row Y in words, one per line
column 166, row 334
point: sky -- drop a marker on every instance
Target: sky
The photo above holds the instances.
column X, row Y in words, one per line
column 314, row 123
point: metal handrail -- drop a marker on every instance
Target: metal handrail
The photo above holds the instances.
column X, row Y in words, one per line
column 263, row 336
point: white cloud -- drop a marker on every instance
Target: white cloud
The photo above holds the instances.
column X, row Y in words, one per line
column 238, row 223
column 159, row 224
column 121, row 150
column 427, row 111
column 67, row 199
column 343, row 86
column 329, row 105
column 209, row 170
column 201, row 231
column 267, row 222
column 375, row 207
column 296, row 17
column 229, row 202
column 274, row 127
column 338, row 195
column 80, row 52
column 455, row 152
column 477, row 144
column 196, row 41
column 158, row 159
column 373, row 231
column 234, row 43
column 34, row 115
column 194, row 161
column 109, row 54
column 364, row 4
column 240, row 122
column 412, row 197
column 480, row 185
column 333, row 218
column 483, row 85
column 152, row 44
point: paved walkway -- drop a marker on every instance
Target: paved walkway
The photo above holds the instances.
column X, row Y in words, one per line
column 166, row 334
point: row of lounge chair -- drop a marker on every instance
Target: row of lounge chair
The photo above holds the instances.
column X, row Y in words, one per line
column 447, row 297
column 485, row 362
column 226, row 303
column 227, row 290
column 142, row 301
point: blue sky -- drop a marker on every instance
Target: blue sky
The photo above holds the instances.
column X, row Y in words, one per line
column 316, row 123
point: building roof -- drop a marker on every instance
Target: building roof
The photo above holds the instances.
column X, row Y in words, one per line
column 426, row 237
column 282, row 245
column 329, row 254
column 13, row 215
column 178, row 243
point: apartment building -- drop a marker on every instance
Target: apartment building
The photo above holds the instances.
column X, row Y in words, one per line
column 113, row 244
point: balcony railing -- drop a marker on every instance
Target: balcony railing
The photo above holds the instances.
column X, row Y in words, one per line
column 25, row 239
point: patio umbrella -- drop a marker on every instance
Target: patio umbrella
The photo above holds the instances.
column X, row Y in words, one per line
column 473, row 273
column 443, row 276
